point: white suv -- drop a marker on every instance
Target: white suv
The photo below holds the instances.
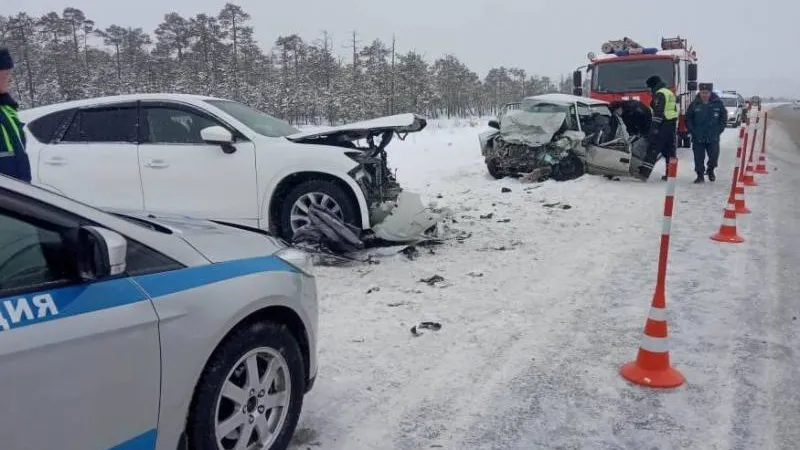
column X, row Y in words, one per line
column 213, row 158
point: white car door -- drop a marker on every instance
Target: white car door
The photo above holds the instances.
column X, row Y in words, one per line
column 613, row 157
column 96, row 161
column 182, row 174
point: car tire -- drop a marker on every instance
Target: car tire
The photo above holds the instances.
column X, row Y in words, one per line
column 203, row 418
column 494, row 171
column 348, row 209
column 568, row 168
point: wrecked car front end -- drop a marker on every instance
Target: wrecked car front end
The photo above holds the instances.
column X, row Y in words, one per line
column 534, row 145
column 395, row 215
column 561, row 137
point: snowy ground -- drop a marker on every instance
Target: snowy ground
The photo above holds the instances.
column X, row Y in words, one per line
column 542, row 305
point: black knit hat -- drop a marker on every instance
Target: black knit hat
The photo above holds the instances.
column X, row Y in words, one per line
column 653, row 81
column 6, row 63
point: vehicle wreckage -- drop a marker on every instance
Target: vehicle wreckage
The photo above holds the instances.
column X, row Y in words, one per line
column 396, row 216
column 561, row 137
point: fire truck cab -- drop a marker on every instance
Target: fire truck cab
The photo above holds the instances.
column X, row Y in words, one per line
column 620, row 73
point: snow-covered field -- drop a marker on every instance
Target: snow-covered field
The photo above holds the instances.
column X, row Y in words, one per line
column 544, row 302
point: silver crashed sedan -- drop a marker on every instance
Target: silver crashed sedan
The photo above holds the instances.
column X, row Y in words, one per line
column 146, row 331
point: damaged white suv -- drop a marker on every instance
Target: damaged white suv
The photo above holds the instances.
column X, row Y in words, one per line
column 561, row 137
column 215, row 159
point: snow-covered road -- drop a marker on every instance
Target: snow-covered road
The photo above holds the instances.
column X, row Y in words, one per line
column 541, row 305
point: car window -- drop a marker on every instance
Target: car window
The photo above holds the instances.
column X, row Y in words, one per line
column 141, row 260
column 174, row 126
column 106, row 124
column 32, row 257
column 45, row 127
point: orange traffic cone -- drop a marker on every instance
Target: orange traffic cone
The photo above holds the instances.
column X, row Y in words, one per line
column 738, row 198
column 737, row 189
column 761, row 167
column 748, row 178
column 727, row 231
column 651, row 367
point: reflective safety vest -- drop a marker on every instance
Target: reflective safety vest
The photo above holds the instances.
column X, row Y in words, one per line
column 8, row 135
column 670, row 104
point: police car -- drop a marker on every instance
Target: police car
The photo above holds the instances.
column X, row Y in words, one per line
column 147, row 331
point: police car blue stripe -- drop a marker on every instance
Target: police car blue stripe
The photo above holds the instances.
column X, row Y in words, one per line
column 44, row 306
column 165, row 283
column 146, row 441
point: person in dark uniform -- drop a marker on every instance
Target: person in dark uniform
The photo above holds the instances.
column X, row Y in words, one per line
column 706, row 119
column 13, row 159
column 664, row 121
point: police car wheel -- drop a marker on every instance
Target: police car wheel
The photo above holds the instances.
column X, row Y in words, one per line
column 321, row 193
column 251, row 389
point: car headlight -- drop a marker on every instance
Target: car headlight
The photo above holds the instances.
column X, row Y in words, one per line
column 298, row 259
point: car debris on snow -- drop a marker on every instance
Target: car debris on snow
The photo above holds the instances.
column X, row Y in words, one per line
column 505, row 190
column 433, row 326
column 407, row 224
column 432, row 280
column 553, row 205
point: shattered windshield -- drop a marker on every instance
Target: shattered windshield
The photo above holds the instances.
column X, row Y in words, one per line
column 730, row 101
column 536, row 106
column 621, row 76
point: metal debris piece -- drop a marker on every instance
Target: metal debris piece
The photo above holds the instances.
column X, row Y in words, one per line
column 432, row 281
column 433, row 326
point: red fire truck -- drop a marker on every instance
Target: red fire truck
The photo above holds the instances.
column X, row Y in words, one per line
column 620, row 74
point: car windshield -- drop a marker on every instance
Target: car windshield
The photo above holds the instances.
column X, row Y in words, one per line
column 537, row 106
column 261, row 123
column 621, row 76
column 730, row 101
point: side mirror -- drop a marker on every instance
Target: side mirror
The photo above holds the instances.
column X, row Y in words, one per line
column 494, row 124
column 101, row 253
column 692, row 86
column 577, row 79
column 692, row 75
column 220, row 136
column 577, row 91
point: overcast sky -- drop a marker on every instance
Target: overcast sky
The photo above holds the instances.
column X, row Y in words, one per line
column 750, row 46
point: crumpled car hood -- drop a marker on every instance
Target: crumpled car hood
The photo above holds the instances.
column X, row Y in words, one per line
column 400, row 123
column 218, row 243
column 531, row 129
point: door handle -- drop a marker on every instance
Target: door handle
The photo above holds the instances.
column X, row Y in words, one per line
column 55, row 161
column 156, row 164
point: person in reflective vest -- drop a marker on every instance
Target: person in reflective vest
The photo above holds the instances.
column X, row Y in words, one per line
column 665, row 119
column 13, row 159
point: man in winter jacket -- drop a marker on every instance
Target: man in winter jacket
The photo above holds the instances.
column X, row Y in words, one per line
column 665, row 119
column 13, row 159
column 706, row 119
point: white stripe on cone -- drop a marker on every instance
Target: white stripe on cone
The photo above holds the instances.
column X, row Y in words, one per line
column 658, row 314
column 666, row 225
column 654, row 344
